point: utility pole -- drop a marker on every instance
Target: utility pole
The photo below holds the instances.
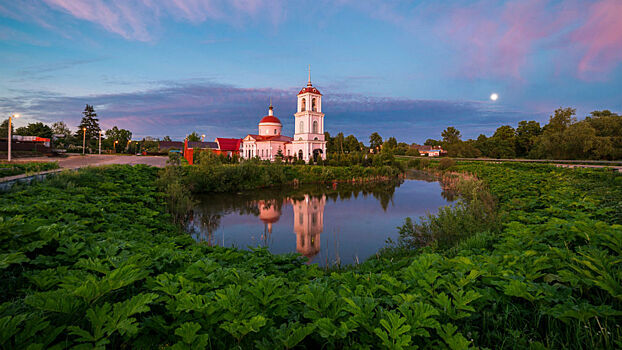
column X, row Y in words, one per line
column 10, row 136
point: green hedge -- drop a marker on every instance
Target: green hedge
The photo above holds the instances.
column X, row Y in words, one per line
column 11, row 169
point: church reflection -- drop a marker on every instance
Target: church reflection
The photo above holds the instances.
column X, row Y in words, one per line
column 308, row 221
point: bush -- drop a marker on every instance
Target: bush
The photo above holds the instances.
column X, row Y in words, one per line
column 446, row 163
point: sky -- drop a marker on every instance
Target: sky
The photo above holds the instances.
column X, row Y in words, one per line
column 407, row 69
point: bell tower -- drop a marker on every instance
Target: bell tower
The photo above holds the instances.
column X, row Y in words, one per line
column 309, row 124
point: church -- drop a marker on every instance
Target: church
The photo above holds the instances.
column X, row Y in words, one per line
column 308, row 141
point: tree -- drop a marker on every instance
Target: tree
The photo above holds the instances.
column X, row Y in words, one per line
column 4, row 129
column 375, row 141
column 167, row 138
column 390, row 143
column 450, row 135
column 193, row 137
column 339, row 143
column 35, row 129
column 432, row 142
column 352, row 144
column 90, row 123
column 60, row 128
column 561, row 119
column 120, row 135
column 526, row 135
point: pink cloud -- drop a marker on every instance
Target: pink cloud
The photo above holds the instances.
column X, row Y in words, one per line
column 601, row 38
column 133, row 19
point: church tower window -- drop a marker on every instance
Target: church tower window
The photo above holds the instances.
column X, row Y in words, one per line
column 302, row 127
column 313, row 105
column 303, row 105
column 315, row 126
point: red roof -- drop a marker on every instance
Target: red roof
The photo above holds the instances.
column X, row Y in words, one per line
column 228, row 144
column 272, row 138
column 310, row 89
column 270, row 119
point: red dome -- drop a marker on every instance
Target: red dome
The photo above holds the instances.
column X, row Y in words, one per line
column 310, row 89
column 270, row 119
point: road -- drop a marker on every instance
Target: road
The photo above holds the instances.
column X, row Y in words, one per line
column 616, row 165
column 79, row 161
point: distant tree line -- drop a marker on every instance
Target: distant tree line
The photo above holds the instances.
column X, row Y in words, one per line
column 598, row 136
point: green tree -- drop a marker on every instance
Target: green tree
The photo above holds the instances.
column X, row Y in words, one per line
column 35, row 129
column 432, row 142
column 90, row 123
column 450, row 135
column 339, row 143
column 60, row 128
column 527, row 133
column 4, row 128
column 352, row 144
column 167, row 138
column 375, row 141
column 193, row 137
column 120, row 135
column 390, row 143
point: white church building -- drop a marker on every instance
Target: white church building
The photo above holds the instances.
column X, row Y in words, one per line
column 308, row 141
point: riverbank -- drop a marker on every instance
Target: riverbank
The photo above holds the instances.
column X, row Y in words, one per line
column 91, row 258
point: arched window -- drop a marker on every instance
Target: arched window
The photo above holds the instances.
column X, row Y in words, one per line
column 300, row 154
column 275, row 131
column 315, row 139
column 301, row 127
column 313, row 105
column 303, row 105
column 315, row 126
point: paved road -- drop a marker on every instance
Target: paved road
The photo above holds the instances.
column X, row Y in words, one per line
column 78, row 161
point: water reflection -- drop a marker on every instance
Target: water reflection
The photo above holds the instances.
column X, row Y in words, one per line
column 273, row 217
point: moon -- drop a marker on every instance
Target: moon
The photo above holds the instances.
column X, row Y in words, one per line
column 494, row 96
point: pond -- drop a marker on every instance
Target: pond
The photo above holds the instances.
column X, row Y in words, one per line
column 344, row 224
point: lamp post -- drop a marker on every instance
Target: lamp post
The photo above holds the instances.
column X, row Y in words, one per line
column 202, row 137
column 115, row 145
column 83, row 140
column 10, row 136
column 100, row 142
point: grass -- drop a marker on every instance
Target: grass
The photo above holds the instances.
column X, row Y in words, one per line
column 13, row 168
column 92, row 259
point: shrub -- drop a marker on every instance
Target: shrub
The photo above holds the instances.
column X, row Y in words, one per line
column 446, row 163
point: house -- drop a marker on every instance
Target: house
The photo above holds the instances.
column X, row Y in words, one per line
column 430, row 151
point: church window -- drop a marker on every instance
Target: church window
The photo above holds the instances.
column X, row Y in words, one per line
column 315, row 126
column 313, row 105
column 303, row 105
column 300, row 153
column 275, row 131
column 315, row 139
column 301, row 127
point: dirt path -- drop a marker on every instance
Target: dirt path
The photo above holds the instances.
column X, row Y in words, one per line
column 78, row 161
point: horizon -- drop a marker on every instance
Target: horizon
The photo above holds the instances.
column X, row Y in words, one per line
column 402, row 70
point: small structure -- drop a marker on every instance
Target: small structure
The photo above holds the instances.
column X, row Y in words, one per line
column 228, row 147
column 430, row 151
column 190, row 147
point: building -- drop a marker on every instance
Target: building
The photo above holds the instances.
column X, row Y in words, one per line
column 308, row 141
column 228, row 147
column 430, row 151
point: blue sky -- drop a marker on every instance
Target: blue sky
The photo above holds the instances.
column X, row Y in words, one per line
column 404, row 69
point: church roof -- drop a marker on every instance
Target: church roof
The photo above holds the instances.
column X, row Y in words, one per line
column 270, row 119
column 228, row 144
column 310, row 89
column 281, row 138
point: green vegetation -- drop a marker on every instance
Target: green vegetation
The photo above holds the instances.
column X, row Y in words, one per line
column 92, row 260
column 10, row 169
column 598, row 136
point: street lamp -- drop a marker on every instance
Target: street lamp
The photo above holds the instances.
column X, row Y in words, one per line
column 100, row 142
column 10, row 137
column 83, row 140
column 115, row 145
column 202, row 137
